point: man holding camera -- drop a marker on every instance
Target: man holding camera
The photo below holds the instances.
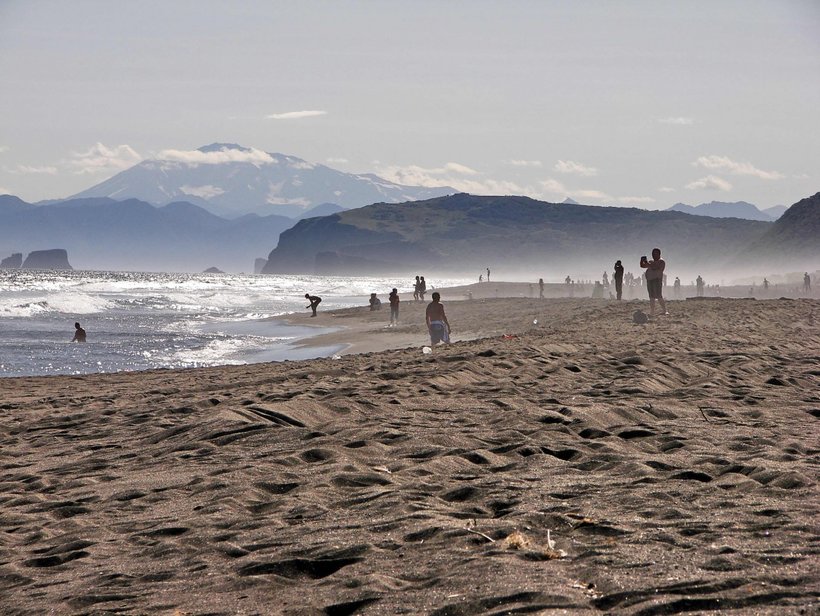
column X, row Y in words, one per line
column 654, row 280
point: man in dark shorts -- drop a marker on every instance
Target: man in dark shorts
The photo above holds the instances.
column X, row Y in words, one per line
column 394, row 307
column 618, row 277
column 314, row 300
column 654, row 280
column 79, row 333
column 437, row 323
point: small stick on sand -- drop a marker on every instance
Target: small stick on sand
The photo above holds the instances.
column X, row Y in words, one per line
column 702, row 413
column 475, row 532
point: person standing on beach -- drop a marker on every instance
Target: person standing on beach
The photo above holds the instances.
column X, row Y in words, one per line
column 422, row 288
column 540, row 288
column 488, row 274
column 677, row 287
column 79, row 333
column 699, row 286
column 437, row 323
column 806, row 282
column 416, row 288
column 654, row 280
column 618, row 278
column 394, row 307
column 314, row 300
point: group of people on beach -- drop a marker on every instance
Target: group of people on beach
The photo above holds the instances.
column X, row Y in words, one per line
column 436, row 318
column 419, row 289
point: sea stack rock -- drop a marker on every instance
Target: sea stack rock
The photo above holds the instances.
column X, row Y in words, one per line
column 15, row 261
column 258, row 265
column 213, row 270
column 56, row 258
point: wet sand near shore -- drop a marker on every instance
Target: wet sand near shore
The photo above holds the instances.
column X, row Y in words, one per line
column 577, row 465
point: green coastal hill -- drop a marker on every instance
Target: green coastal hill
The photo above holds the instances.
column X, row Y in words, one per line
column 465, row 233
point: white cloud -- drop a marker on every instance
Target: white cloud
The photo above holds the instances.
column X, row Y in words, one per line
column 524, row 163
column 710, row 182
column 225, row 155
column 337, row 161
column 724, row 163
column 302, row 164
column 636, row 200
column 102, row 159
column 29, row 170
column 554, row 187
column 591, row 194
column 294, row 115
column 569, row 166
column 204, row 192
column 455, row 175
column 666, row 189
column 680, row 121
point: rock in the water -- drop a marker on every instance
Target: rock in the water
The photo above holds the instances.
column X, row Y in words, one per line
column 15, row 261
column 213, row 270
column 56, row 258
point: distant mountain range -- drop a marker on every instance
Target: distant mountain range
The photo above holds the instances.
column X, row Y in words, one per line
column 737, row 209
column 467, row 233
column 101, row 233
column 230, row 180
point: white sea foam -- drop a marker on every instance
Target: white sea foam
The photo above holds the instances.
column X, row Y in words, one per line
column 138, row 320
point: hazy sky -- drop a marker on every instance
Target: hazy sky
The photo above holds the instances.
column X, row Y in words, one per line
column 644, row 102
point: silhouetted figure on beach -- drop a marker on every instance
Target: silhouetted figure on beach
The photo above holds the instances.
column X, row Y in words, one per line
column 416, row 288
column 654, row 280
column 618, row 278
column 394, row 307
column 699, row 286
column 481, row 277
column 765, row 285
column 314, row 300
column 79, row 333
column 677, row 287
column 422, row 288
column 605, row 280
column 375, row 302
column 437, row 323
column 540, row 288
column 806, row 282
column 488, row 274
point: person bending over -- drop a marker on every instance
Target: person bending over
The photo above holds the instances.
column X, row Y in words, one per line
column 314, row 300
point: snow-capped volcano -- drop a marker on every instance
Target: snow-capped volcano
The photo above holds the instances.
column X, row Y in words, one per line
column 230, row 180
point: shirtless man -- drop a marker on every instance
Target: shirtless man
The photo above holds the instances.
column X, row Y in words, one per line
column 314, row 300
column 79, row 333
column 654, row 280
column 437, row 323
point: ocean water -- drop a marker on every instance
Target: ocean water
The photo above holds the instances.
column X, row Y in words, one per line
column 139, row 321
